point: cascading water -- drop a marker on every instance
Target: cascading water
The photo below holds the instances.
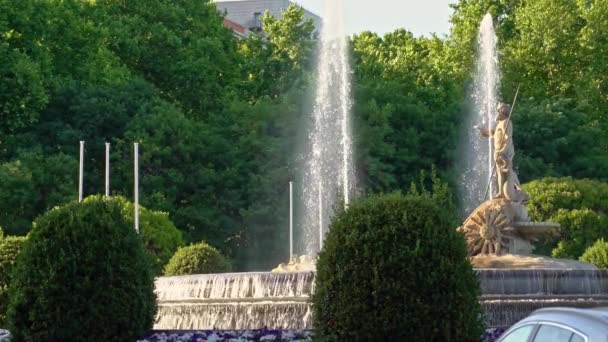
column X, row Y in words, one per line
column 329, row 176
column 283, row 300
column 235, row 301
column 478, row 150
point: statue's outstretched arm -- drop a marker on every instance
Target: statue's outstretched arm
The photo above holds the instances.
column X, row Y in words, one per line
column 485, row 132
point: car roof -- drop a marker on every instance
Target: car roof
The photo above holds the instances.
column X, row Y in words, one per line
column 592, row 322
column 599, row 315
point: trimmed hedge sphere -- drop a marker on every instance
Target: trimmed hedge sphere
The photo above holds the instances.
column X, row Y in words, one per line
column 82, row 276
column 10, row 246
column 597, row 254
column 199, row 258
column 393, row 268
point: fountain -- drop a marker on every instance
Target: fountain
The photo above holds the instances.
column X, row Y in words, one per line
column 281, row 300
column 478, row 154
column 498, row 234
column 235, row 301
column 329, row 177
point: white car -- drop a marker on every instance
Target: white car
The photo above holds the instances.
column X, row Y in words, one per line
column 560, row 325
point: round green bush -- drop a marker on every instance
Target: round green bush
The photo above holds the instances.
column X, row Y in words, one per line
column 82, row 276
column 160, row 236
column 10, row 246
column 393, row 268
column 597, row 254
column 580, row 206
column 199, row 258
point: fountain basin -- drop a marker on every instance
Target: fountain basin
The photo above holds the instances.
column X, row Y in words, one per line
column 504, row 312
column 235, row 301
column 543, row 282
column 241, row 301
column 534, row 230
column 510, row 261
column 237, row 315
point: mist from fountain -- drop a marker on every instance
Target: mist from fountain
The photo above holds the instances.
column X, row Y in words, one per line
column 478, row 150
column 329, row 176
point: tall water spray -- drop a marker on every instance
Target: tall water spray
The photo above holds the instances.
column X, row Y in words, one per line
column 329, row 175
column 479, row 150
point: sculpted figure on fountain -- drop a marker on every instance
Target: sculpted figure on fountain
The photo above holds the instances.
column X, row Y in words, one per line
column 508, row 182
column 501, row 224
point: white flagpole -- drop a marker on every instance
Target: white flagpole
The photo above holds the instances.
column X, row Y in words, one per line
column 290, row 221
column 136, row 185
column 320, row 216
column 107, row 169
column 81, row 172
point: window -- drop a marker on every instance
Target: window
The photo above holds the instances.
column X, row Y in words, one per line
column 519, row 334
column 550, row 333
column 257, row 22
column 576, row 338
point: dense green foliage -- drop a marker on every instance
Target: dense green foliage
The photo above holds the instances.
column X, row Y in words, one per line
column 380, row 275
column 159, row 235
column 579, row 206
column 82, row 276
column 597, row 254
column 554, row 50
column 199, row 258
column 220, row 119
column 10, row 247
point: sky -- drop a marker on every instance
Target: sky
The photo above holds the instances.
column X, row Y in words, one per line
column 421, row 17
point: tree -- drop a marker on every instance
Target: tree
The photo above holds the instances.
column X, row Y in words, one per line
column 550, row 48
column 23, row 92
column 545, row 54
column 466, row 19
column 413, row 83
column 276, row 60
column 188, row 169
column 181, row 47
column 558, row 138
column 271, row 135
column 32, row 184
column 376, row 172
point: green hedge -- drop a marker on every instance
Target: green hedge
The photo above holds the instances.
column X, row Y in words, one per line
column 160, row 236
column 580, row 206
column 10, row 246
column 597, row 254
column 393, row 268
column 199, row 258
column 82, row 276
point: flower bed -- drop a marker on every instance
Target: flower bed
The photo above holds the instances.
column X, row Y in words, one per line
column 240, row 335
column 4, row 335
column 490, row 335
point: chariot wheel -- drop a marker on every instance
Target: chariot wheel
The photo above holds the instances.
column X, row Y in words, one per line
column 488, row 231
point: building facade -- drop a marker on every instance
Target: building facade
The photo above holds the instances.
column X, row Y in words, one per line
column 247, row 14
